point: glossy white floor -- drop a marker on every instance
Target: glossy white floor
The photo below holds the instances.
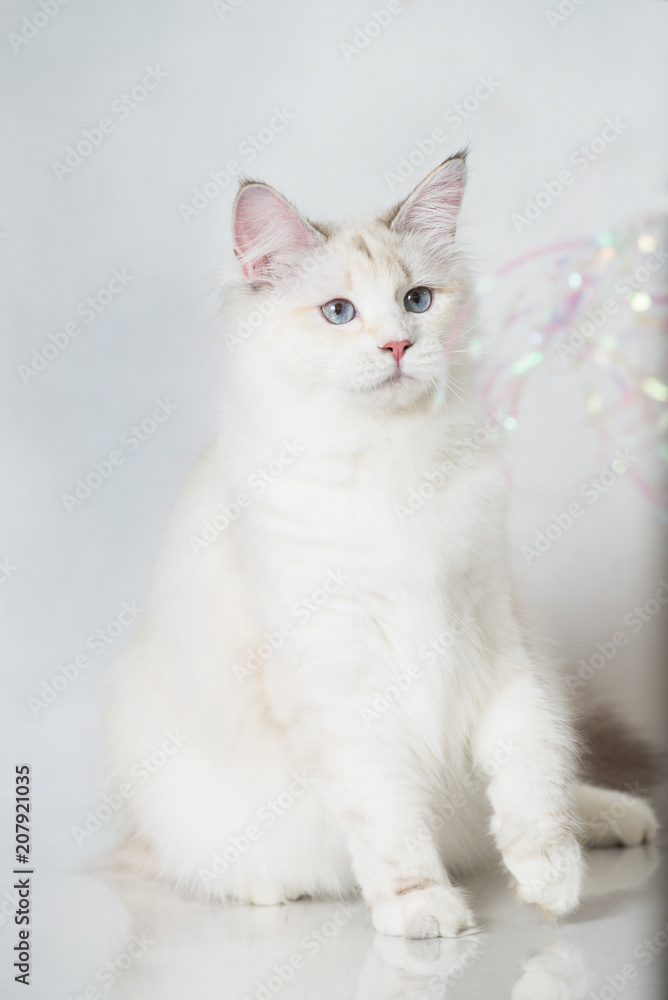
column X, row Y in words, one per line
column 106, row 939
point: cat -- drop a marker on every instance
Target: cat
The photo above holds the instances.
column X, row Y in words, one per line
column 331, row 639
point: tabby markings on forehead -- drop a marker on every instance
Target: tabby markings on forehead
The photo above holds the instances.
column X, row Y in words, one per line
column 387, row 255
column 360, row 244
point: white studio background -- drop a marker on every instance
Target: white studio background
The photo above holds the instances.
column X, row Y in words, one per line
column 220, row 73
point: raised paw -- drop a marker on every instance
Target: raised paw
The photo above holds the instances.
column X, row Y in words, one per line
column 438, row 911
column 551, row 878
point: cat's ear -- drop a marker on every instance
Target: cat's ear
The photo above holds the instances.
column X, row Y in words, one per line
column 269, row 233
column 432, row 208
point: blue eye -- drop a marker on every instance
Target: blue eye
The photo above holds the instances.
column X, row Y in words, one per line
column 338, row 311
column 417, row 300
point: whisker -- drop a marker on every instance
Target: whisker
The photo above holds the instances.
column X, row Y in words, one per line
column 451, row 387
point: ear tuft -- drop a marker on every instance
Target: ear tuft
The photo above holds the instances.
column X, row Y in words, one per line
column 432, row 208
column 269, row 233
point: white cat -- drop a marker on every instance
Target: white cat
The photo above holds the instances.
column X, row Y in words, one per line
column 341, row 666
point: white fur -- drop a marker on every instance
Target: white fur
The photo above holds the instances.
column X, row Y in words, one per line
column 391, row 801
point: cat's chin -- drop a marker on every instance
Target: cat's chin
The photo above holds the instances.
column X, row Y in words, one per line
column 398, row 390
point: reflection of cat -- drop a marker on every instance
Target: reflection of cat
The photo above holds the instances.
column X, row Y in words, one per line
column 240, row 950
column 343, row 522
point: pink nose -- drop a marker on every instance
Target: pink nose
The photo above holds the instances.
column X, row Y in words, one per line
column 398, row 348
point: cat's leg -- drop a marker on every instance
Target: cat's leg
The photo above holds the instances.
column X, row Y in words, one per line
column 612, row 818
column 399, row 869
column 377, row 795
column 525, row 745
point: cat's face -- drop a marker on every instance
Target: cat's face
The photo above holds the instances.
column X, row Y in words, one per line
column 364, row 309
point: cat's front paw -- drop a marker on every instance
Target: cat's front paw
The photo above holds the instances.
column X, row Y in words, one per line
column 551, row 878
column 438, row 911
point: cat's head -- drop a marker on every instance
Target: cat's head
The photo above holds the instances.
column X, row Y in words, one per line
column 364, row 311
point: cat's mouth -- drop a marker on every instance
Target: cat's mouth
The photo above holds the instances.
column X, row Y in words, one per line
column 395, row 378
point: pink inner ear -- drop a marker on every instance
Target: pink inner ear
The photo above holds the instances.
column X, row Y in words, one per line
column 434, row 205
column 267, row 231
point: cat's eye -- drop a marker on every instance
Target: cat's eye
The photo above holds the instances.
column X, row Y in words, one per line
column 338, row 311
column 417, row 300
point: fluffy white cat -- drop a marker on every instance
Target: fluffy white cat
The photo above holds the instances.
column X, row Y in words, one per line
column 330, row 639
